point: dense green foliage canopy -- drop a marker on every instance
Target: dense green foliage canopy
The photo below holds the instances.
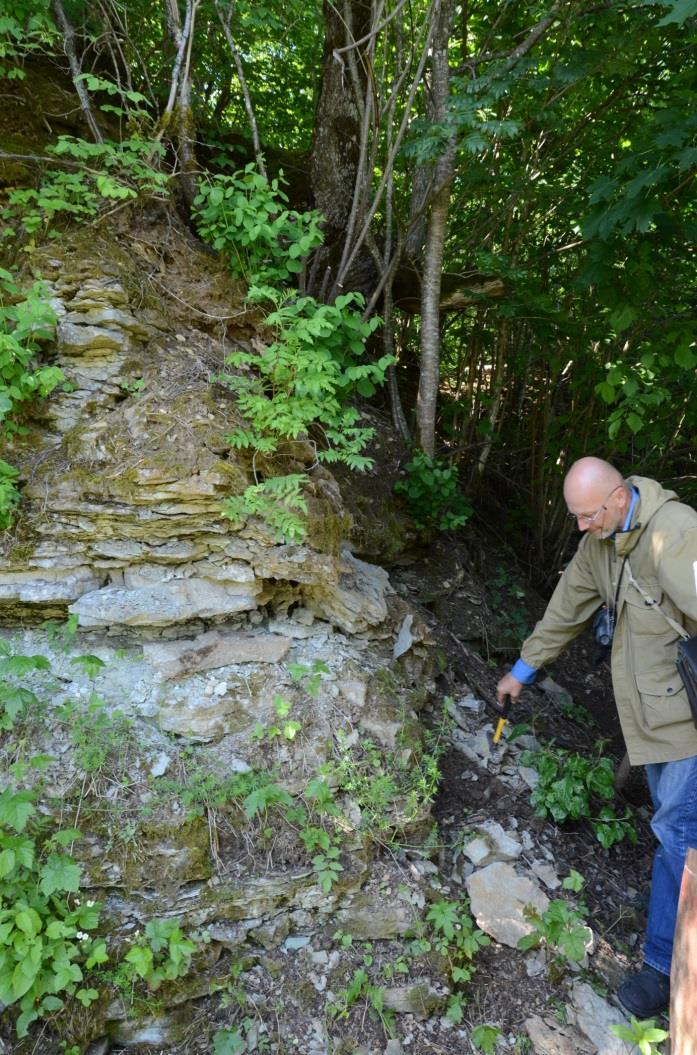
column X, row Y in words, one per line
column 522, row 172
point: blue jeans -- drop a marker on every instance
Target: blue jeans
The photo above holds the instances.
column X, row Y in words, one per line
column 673, row 787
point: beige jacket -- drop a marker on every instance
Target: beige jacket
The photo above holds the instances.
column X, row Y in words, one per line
column 662, row 549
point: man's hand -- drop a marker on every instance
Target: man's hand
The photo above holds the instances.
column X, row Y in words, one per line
column 508, row 686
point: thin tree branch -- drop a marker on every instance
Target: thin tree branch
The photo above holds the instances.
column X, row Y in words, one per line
column 373, row 32
column 390, row 160
column 181, row 39
column 71, row 55
column 537, row 31
column 245, row 89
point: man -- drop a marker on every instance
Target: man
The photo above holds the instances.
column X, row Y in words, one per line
column 635, row 530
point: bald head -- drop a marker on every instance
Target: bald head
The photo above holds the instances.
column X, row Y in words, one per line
column 596, row 494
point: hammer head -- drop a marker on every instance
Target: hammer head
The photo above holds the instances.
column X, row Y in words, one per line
column 504, row 711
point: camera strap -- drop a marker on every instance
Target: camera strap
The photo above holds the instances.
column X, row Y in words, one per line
column 619, row 583
column 654, row 604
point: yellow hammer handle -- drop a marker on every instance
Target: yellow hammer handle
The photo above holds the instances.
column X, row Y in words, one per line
column 500, row 726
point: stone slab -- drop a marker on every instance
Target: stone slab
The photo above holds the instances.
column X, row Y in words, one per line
column 58, row 584
column 357, row 601
column 594, row 1016
column 89, row 340
column 498, row 897
column 177, row 601
column 368, row 921
column 419, row 1000
column 214, row 649
column 556, row 1039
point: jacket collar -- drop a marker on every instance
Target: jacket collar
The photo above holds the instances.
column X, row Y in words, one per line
column 651, row 497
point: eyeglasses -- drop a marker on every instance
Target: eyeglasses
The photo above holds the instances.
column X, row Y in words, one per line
column 592, row 518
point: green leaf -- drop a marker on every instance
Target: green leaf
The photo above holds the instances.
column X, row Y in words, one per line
column 23, row 978
column 60, row 873
column 87, row 996
column 685, row 357
column 228, row 1042
column 28, row 921
column 66, row 974
column 66, row 836
column 16, row 808
column 635, row 422
column 142, row 959
column 98, row 955
column 91, row 665
column 7, row 862
column 622, row 317
column 24, row 1021
column 57, row 929
column 52, row 1003
column 22, row 665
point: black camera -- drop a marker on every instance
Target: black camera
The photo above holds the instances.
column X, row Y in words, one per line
column 603, row 631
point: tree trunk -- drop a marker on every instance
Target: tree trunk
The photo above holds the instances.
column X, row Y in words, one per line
column 436, row 231
column 335, row 160
column 429, row 373
column 180, row 89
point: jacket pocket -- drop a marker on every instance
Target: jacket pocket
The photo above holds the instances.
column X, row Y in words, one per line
column 644, row 618
column 663, row 699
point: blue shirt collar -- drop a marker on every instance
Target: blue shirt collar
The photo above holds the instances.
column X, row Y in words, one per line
column 630, row 512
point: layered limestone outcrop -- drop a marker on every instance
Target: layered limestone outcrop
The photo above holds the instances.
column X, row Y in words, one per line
column 200, row 651
column 126, row 474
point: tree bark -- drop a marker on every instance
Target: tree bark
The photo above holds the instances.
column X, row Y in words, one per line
column 71, row 55
column 180, row 91
column 336, row 148
column 437, row 229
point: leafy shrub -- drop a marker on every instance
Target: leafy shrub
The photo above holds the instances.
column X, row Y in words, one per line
column 388, row 786
column 161, row 954
column 28, row 28
column 431, row 489
column 278, row 502
column 506, row 599
column 253, row 792
column 361, row 989
column 645, row 1034
column 305, row 376
column 103, row 740
column 25, row 320
column 458, row 940
column 570, row 788
column 15, row 698
column 244, row 217
column 106, row 173
column 44, row 944
column 298, row 385
column 561, row 931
